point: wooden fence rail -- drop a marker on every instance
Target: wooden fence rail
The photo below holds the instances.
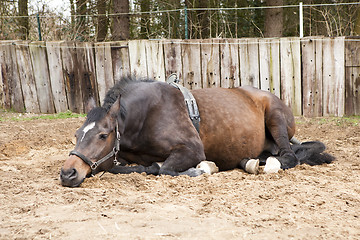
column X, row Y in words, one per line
column 316, row 76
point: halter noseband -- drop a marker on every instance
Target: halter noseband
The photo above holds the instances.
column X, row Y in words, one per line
column 94, row 165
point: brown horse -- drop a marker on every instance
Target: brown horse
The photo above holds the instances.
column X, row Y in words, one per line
column 146, row 122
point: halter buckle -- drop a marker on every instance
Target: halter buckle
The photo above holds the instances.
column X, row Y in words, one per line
column 94, row 166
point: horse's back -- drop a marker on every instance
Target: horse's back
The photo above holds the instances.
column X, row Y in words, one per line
column 232, row 124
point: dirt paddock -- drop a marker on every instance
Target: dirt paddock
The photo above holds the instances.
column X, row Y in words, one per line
column 321, row 202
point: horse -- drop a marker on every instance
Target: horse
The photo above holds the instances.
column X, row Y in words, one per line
column 146, row 123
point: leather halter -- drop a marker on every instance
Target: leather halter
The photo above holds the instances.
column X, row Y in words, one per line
column 94, row 165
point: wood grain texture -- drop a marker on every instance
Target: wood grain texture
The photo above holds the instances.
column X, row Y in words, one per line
column 290, row 67
column 120, row 60
column 249, row 62
column 155, row 60
column 42, row 76
column 26, row 72
column 172, row 58
column 230, row 66
column 11, row 81
column 352, row 76
column 312, row 76
column 191, row 58
column 333, row 76
column 58, row 86
column 210, row 63
column 104, row 69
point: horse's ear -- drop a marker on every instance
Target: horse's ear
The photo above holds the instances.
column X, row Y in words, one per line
column 115, row 108
column 90, row 105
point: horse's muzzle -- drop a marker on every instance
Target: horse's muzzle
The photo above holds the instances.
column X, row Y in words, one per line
column 70, row 178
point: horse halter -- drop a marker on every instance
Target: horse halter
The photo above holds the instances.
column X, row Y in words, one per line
column 94, row 165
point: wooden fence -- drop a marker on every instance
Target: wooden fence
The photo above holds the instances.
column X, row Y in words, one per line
column 315, row 76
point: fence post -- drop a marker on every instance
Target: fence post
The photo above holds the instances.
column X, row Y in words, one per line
column 186, row 22
column 39, row 26
column 301, row 20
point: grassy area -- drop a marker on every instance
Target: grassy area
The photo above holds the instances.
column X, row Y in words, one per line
column 338, row 121
column 6, row 115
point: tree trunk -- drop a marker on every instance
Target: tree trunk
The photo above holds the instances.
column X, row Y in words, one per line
column 357, row 23
column 274, row 19
column 103, row 21
column 145, row 19
column 120, row 28
column 23, row 21
column 203, row 16
column 81, row 33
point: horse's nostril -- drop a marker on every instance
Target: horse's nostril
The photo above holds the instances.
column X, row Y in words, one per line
column 68, row 174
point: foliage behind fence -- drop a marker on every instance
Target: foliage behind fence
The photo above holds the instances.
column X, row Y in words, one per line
column 315, row 76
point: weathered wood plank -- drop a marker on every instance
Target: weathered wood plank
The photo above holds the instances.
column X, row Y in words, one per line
column 275, row 76
column 333, row 76
column 312, row 81
column 28, row 84
column 318, row 98
column 120, row 59
column 104, row 68
column 11, row 80
column 2, row 93
column 42, row 77
column 72, row 83
column 155, row 60
column 265, row 63
column 269, row 58
column 85, row 72
column 249, row 62
column 173, row 63
column 269, row 52
column 5, row 74
column 137, row 56
column 58, row 86
column 290, row 59
column 91, row 68
column 210, row 63
column 229, row 56
column 190, row 52
column 352, row 76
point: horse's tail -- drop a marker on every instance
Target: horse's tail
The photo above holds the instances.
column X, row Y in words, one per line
column 312, row 153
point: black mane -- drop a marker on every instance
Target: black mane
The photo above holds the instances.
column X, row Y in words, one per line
column 120, row 88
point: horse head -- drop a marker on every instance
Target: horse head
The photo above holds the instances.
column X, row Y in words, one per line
column 97, row 143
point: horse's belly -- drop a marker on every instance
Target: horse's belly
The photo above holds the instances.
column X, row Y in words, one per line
column 231, row 128
column 226, row 146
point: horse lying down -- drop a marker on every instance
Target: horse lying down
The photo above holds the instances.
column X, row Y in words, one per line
column 146, row 122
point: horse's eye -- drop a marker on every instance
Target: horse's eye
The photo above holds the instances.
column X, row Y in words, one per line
column 103, row 136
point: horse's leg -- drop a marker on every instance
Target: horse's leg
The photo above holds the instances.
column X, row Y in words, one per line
column 250, row 165
column 278, row 127
column 153, row 169
column 182, row 161
column 143, row 162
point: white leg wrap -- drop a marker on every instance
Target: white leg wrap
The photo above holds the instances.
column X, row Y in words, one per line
column 208, row 167
column 252, row 166
column 272, row 165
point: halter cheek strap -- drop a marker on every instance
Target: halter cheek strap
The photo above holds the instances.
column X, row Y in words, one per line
column 94, row 165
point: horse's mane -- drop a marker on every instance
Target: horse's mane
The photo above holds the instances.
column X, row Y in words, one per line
column 119, row 89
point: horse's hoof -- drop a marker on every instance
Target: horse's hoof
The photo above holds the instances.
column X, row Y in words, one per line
column 252, row 166
column 272, row 165
column 193, row 172
column 208, row 167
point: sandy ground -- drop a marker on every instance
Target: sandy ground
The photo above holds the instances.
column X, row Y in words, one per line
column 320, row 202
